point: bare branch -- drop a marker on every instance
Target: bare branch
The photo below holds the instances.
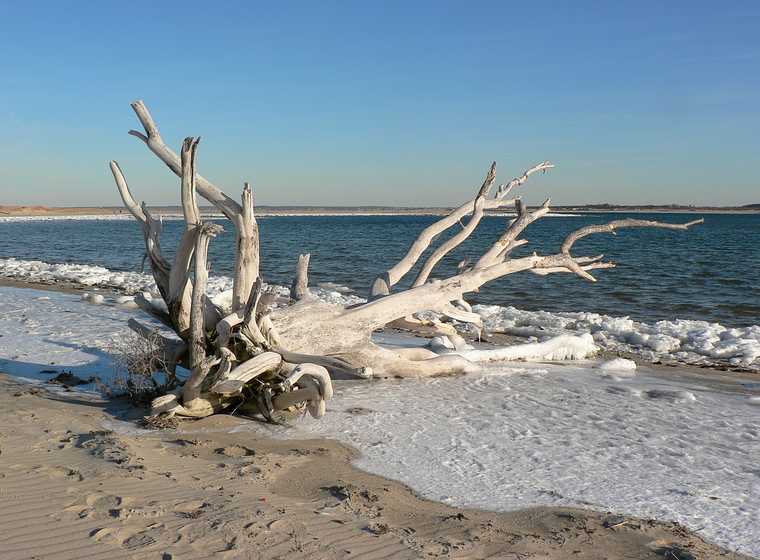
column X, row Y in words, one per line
column 234, row 380
column 247, row 254
column 504, row 244
column 617, row 224
column 572, row 264
column 151, row 230
column 197, row 344
column 189, row 201
column 247, row 260
column 437, row 295
column 455, row 241
column 551, row 270
column 506, row 188
column 385, row 281
column 250, row 315
column 153, row 140
column 252, row 302
column 126, row 196
column 180, row 285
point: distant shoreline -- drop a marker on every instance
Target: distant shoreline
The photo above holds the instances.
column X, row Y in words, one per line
column 114, row 211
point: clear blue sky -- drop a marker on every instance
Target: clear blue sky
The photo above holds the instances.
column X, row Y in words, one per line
column 398, row 103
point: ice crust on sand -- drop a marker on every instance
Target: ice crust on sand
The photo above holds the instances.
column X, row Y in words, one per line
column 512, row 437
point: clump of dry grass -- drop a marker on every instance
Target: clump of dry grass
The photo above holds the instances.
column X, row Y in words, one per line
column 142, row 367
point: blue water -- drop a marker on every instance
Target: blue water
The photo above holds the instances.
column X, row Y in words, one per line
column 709, row 272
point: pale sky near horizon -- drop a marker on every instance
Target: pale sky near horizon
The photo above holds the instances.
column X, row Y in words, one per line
column 391, row 103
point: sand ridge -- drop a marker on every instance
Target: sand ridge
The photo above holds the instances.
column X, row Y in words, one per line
column 72, row 487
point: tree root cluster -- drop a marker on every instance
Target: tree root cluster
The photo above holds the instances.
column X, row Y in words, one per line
column 259, row 358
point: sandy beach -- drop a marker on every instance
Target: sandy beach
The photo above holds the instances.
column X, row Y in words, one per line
column 81, row 479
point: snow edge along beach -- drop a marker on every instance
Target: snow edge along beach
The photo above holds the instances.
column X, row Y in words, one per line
column 692, row 342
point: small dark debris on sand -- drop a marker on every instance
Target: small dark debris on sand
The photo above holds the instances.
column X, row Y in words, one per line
column 68, row 379
column 358, row 411
column 235, row 451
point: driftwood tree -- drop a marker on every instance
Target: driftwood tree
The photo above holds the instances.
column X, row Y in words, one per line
column 284, row 358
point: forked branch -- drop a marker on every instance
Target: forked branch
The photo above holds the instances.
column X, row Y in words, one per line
column 455, row 241
column 155, row 143
column 438, row 295
column 247, row 256
column 151, row 229
column 385, row 281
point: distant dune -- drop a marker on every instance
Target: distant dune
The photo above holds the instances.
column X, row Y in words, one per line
column 40, row 210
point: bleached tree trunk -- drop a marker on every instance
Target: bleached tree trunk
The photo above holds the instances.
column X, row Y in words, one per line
column 284, row 358
column 247, row 254
column 299, row 289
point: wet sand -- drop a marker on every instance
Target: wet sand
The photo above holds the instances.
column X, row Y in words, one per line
column 79, row 480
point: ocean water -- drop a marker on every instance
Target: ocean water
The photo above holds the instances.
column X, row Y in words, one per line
column 708, row 273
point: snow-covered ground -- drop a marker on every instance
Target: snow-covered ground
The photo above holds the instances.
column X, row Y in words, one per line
column 569, row 435
column 692, row 342
column 516, row 435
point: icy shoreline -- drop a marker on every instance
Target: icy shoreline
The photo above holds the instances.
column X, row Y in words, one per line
column 683, row 341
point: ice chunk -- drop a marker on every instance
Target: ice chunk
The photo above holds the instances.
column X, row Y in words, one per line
column 620, row 366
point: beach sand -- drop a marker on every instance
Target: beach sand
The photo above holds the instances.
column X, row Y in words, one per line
column 79, row 479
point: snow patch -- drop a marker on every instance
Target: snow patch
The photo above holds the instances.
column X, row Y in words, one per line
column 219, row 288
column 562, row 435
column 693, row 342
column 619, row 366
column 563, row 347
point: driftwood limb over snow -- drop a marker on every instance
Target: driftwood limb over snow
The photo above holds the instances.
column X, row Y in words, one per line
column 285, row 359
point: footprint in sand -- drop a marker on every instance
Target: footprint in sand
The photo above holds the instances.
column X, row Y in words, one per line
column 131, row 538
column 59, row 471
column 153, row 509
column 103, row 502
column 97, row 505
column 235, row 451
column 67, row 440
column 106, row 534
column 190, row 510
